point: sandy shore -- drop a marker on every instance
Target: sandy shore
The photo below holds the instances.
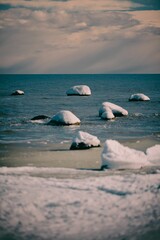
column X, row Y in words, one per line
column 59, row 155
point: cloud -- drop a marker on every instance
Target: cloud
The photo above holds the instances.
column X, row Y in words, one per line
column 70, row 37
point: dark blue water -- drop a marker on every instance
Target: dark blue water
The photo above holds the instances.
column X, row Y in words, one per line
column 46, row 94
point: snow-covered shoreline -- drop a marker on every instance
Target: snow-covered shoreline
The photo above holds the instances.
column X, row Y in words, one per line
column 119, row 205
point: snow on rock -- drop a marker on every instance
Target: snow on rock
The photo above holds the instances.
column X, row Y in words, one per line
column 115, row 155
column 153, row 154
column 116, row 110
column 64, row 118
column 18, row 92
column 139, row 97
column 81, row 90
column 84, row 140
column 107, row 114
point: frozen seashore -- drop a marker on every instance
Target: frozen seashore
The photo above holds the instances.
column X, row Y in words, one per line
column 38, row 203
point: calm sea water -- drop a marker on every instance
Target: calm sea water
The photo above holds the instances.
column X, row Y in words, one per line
column 46, row 94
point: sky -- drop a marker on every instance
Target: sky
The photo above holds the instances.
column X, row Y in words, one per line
column 79, row 36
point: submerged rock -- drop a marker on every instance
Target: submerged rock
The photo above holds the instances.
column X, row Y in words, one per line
column 64, row 118
column 139, row 97
column 84, row 140
column 116, row 110
column 18, row 92
column 81, row 90
column 39, row 117
column 117, row 156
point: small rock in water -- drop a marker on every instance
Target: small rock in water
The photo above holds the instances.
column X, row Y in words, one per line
column 139, row 97
column 18, row 92
column 81, row 90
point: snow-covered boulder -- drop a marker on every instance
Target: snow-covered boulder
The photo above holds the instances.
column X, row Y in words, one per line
column 116, row 110
column 64, row 118
column 115, row 155
column 81, row 90
column 18, row 92
column 84, row 140
column 107, row 114
column 139, row 97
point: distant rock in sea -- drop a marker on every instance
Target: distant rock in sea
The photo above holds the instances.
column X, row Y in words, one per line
column 18, row 92
column 116, row 110
column 80, row 90
column 39, row 117
column 84, row 140
column 64, row 118
column 117, row 156
column 139, row 97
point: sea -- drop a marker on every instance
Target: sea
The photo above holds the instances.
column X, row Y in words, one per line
column 39, row 201
column 46, row 95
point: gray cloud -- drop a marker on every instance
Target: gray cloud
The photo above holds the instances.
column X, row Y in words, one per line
column 74, row 39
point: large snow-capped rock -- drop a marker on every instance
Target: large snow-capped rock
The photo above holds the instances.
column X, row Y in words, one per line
column 64, row 117
column 107, row 114
column 18, row 92
column 139, row 97
column 84, row 140
column 116, row 110
column 81, row 90
column 115, row 155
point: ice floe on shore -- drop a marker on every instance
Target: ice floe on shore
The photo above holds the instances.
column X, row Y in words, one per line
column 115, row 155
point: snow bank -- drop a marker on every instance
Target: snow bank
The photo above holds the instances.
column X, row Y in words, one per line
column 18, row 92
column 116, row 110
column 115, row 155
column 139, row 97
column 64, row 118
column 81, row 90
column 109, row 207
column 84, row 140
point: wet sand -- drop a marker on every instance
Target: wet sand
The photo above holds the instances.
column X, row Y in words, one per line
column 59, row 155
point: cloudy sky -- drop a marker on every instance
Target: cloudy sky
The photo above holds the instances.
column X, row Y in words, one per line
column 80, row 36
